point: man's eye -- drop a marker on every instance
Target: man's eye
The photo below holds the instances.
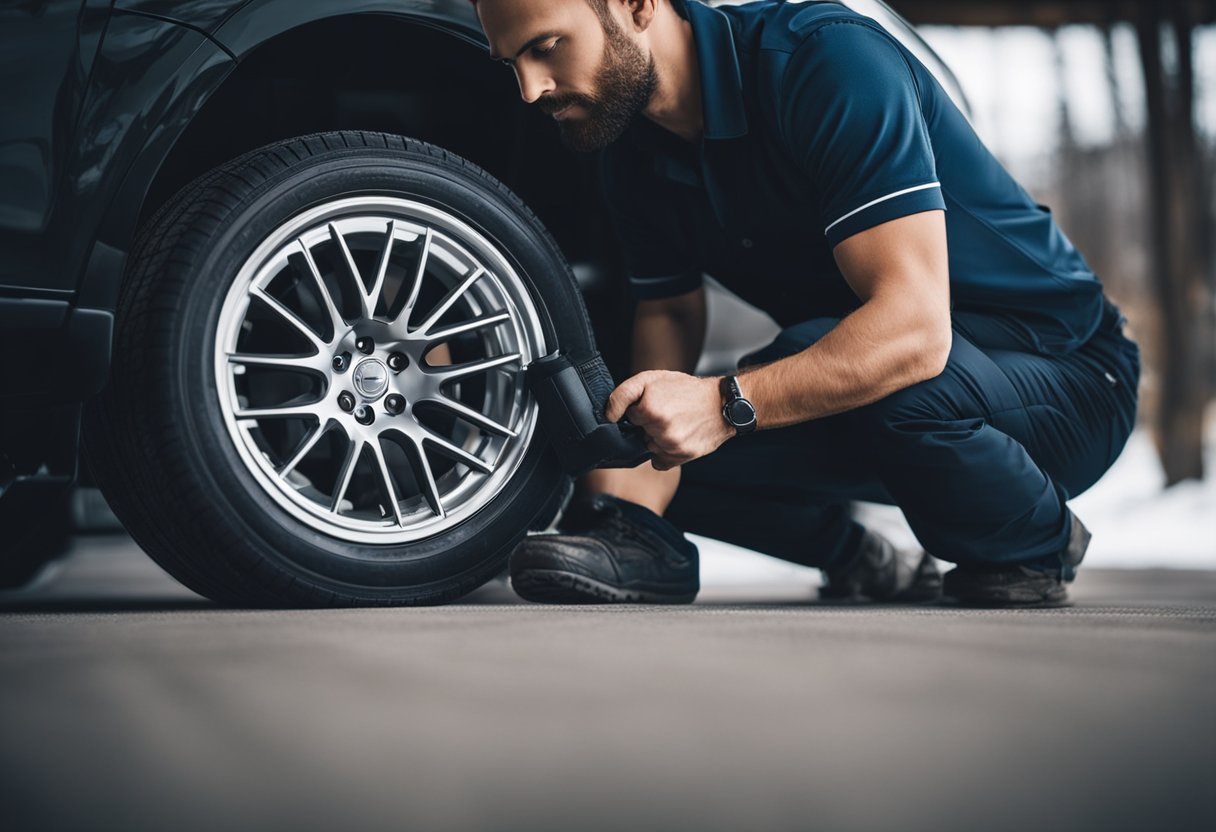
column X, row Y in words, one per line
column 547, row 50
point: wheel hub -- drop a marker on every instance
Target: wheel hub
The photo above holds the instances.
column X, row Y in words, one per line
column 371, row 378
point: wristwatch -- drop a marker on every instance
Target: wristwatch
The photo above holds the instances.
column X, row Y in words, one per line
column 738, row 412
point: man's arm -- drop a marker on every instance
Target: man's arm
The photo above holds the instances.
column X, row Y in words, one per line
column 900, row 335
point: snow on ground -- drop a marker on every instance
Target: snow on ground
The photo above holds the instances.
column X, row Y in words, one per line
column 1136, row 523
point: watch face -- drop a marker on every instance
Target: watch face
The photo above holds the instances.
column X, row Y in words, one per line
column 741, row 412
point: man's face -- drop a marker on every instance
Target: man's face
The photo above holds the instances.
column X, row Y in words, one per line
column 585, row 72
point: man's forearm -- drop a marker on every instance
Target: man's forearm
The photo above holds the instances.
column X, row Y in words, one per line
column 877, row 350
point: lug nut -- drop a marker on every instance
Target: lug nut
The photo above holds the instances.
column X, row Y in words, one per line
column 364, row 415
column 397, row 362
column 346, row 401
column 394, row 403
column 341, row 362
column 365, row 345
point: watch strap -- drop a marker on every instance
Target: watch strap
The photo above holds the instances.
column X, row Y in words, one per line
column 732, row 393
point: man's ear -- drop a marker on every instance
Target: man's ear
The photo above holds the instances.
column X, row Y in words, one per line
column 642, row 12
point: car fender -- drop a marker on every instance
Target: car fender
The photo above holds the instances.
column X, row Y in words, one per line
column 258, row 21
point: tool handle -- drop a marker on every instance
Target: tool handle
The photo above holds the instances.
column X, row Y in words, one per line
column 572, row 392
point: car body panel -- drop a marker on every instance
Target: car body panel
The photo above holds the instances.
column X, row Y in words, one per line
column 242, row 25
column 257, row 21
column 46, row 58
column 203, row 15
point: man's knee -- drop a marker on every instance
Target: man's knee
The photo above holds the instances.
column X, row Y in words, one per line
column 931, row 401
column 969, row 387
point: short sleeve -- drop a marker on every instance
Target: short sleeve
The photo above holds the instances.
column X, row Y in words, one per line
column 660, row 259
column 851, row 113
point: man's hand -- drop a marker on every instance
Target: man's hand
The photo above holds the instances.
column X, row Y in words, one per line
column 681, row 414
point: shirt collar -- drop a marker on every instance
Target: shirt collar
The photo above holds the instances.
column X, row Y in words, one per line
column 721, row 80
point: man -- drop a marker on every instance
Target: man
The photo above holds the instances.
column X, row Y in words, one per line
column 945, row 348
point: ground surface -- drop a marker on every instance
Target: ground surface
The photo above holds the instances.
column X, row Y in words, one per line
column 128, row 703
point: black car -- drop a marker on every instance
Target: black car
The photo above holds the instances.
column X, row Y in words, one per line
column 259, row 255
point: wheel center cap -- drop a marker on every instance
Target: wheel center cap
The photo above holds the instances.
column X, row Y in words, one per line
column 371, row 378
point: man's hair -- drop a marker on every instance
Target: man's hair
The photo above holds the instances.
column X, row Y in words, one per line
column 600, row 7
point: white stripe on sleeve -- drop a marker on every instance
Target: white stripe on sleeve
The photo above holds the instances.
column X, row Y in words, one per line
column 872, row 203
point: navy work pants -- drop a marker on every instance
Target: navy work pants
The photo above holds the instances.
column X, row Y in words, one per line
column 980, row 458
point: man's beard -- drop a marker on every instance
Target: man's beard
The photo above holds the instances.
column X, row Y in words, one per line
column 625, row 83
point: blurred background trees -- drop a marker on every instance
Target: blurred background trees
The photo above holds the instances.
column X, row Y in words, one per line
column 1124, row 153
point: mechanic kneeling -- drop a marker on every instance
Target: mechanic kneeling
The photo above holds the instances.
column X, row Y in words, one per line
column 945, row 347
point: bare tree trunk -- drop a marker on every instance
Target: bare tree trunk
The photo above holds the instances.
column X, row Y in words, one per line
column 1176, row 218
column 1112, row 81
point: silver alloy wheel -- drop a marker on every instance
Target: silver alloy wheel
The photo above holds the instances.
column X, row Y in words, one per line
column 368, row 361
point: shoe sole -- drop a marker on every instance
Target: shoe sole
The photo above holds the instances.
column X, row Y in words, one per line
column 1058, row 598
column 553, row 586
column 990, row 604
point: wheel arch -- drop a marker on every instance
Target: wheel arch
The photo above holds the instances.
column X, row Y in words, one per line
column 391, row 67
column 317, row 66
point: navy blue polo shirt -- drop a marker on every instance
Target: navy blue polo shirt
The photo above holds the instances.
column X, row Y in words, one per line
column 818, row 124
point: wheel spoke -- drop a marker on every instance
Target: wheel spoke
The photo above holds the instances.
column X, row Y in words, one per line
column 306, row 446
column 331, row 308
column 278, row 412
column 389, row 488
column 373, row 299
column 286, row 314
column 454, row 371
column 285, row 362
column 475, row 416
column 353, row 451
column 349, row 259
column 403, row 318
column 422, row 471
column 467, row 326
column 457, row 453
column 451, row 298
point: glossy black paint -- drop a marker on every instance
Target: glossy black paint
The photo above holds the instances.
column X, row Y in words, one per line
column 142, row 71
column 257, row 21
column 203, row 15
column 46, row 53
column 248, row 23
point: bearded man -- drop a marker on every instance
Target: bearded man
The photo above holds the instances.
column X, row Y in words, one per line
column 944, row 348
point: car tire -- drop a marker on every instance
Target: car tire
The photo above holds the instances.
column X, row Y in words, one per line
column 190, row 443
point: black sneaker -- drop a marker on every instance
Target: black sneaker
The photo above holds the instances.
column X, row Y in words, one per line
column 880, row 572
column 607, row 550
column 1019, row 586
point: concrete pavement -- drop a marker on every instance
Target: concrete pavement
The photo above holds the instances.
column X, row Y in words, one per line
column 128, row 703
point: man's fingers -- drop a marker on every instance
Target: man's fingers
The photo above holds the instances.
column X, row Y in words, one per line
column 635, row 415
column 626, row 393
column 661, row 461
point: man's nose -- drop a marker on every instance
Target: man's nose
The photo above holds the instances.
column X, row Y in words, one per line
column 533, row 84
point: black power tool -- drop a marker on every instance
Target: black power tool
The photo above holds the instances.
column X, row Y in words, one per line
column 572, row 391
